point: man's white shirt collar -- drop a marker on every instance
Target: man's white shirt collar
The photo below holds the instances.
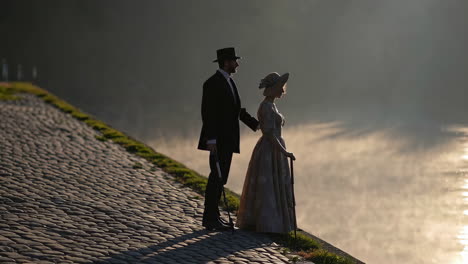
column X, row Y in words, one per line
column 225, row 74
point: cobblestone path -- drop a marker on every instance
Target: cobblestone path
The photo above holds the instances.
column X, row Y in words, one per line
column 66, row 197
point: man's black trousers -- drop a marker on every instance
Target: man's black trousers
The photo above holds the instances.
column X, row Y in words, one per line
column 215, row 184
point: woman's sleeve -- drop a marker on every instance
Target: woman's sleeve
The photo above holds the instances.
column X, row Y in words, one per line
column 266, row 116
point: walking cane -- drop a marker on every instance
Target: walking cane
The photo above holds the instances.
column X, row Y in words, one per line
column 224, row 193
column 294, row 200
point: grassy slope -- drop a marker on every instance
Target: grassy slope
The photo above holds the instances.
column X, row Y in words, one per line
column 304, row 246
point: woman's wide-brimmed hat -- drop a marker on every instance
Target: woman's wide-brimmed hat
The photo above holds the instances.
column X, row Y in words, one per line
column 274, row 80
column 226, row 54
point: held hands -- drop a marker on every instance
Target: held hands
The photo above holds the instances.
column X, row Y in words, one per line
column 290, row 155
column 250, row 121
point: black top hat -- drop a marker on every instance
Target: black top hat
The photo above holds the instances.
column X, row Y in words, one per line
column 226, row 54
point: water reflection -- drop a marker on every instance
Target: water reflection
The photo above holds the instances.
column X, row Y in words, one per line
column 386, row 194
column 463, row 239
column 463, row 235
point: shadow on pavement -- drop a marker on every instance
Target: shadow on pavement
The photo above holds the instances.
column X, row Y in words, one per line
column 209, row 246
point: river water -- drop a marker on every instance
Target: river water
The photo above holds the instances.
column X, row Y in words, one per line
column 393, row 194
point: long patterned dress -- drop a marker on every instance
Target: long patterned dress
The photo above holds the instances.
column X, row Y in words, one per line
column 266, row 202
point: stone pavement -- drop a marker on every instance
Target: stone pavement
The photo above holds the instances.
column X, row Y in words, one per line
column 66, row 197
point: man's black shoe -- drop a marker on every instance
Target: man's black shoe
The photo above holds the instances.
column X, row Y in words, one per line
column 216, row 225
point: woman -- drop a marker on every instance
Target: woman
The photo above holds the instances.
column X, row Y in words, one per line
column 266, row 203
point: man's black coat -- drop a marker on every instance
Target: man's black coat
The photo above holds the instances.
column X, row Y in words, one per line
column 221, row 115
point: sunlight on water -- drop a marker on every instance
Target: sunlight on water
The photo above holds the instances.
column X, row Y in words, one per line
column 463, row 234
column 463, row 239
column 382, row 196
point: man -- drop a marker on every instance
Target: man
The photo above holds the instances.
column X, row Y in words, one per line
column 221, row 111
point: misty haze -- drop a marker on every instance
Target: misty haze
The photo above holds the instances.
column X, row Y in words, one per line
column 375, row 109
